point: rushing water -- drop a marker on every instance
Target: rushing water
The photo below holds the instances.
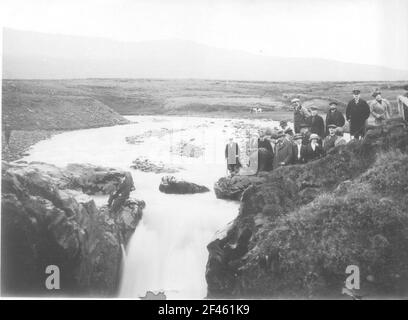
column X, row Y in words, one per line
column 168, row 249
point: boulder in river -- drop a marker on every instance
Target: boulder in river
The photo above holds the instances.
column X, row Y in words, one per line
column 47, row 222
column 169, row 184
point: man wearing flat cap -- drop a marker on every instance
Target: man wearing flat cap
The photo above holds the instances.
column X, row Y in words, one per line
column 334, row 116
column 305, row 132
column 380, row 108
column 330, row 140
column 300, row 114
column 283, row 153
column 298, row 149
column 316, row 122
column 357, row 113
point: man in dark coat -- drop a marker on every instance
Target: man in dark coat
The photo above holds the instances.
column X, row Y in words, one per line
column 313, row 150
column 334, row 117
column 305, row 132
column 283, row 153
column 357, row 112
column 316, row 123
column 118, row 198
column 298, row 149
column 265, row 152
column 300, row 114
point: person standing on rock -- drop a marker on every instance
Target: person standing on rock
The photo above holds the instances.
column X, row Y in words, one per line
column 380, row 108
column 232, row 157
column 283, row 154
column 118, row 198
column 334, row 116
column 316, row 123
column 357, row 113
column 300, row 114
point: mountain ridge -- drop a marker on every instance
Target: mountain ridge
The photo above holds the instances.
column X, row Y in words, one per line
column 32, row 55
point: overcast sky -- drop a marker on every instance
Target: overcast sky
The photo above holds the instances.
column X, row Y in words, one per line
column 362, row 31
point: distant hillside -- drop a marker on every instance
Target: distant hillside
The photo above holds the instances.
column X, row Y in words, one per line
column 33, row 55
column 25, row 108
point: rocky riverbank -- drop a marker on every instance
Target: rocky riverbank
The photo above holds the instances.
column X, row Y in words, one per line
column 48, row 218
column 299, row 228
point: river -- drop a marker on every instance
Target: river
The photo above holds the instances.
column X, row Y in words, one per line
column 168, row 249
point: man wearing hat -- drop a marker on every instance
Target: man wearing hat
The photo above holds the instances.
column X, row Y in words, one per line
column 300, row 114
column 334, row 116
column 232, row 156
column 298, row 149
column 316, row 122
column 380, row 108
column 313, row 150
column 330, row 140
column 305, row 132
column 357, row 113
column 289, row 135
column 283, row 124
column 283, row 153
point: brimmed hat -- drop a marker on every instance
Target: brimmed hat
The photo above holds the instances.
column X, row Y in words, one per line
column 356, row 91
column 332, row 126
column 288, row 130
column 280, row 134
column 333, row 105
column 314, row 136
column 298, row 136
column 376, row 93
column 295, row 100
column 283, row 122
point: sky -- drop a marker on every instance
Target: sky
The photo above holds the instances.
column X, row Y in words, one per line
column 360, row 31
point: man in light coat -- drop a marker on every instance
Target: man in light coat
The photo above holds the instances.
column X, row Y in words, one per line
column 232, row 156
column 380, row 108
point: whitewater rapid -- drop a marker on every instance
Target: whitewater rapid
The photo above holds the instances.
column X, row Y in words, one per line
column 168, row 249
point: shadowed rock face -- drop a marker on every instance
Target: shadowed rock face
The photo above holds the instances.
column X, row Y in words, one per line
column 170, row 184
column 300, row 228
column 45, row 221
column 232, row 187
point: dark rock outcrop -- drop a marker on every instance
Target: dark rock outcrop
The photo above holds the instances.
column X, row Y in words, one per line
column 45, row 221
column 169, row 184
column 297, row 231
column 232, row 187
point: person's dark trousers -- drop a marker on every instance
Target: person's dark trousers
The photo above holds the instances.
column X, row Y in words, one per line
column 359, row 133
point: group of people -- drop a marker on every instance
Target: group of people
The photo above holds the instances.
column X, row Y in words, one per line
column 311, row 136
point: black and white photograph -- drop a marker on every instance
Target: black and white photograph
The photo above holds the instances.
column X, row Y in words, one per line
column 204, row 150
